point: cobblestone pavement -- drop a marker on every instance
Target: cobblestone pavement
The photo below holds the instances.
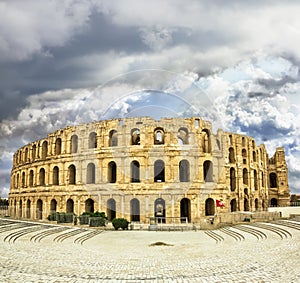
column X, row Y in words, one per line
column 55, row 254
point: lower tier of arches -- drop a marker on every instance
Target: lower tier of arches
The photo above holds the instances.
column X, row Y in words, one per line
column 133, row 207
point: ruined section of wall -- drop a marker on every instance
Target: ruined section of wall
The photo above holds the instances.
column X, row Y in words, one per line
column 139, row 168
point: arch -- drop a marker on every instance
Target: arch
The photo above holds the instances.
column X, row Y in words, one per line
column 209, row 207
column 135, row 171
column 44, row 149
column 74, row 144
column 111, row 209
column 232, row 179
column 159, row 136
column 273, row 180
column 72, row 174
column 184, row 171
column 55, row 177
column 246, row 204
column 23, row 180
column 20, row 209
column 256, row 204
column 206, row 147
column 113, row 138
column 135, row 136
column 231, row 155
column 134, row 210
column 183, row 136
column 70, row 206
column 33, row 153
column 159, row 171
column 53, row 206
column 255, row 180
column 230, row 140
column 208, row 171
column 31, row 175
column 274, row 202
column 160, row 210
column 254, row 156
column 90, row 173
column 17, row 181
column 39, row 209
column 112, row 172
column 57, row 147
column 262, row 179
column 185, row 209
column 233, row 205
column 28, row 208
column 89, row 205
column 26, row 155
column 245, row 176
column 92, row 140
column 42, row 175
column 243, row 141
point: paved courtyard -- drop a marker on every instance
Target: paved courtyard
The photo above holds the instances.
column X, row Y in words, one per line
column 245, row 253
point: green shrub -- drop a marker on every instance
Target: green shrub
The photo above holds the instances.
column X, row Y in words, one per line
column 120, row 223
column 84, row 219
column 97, row 221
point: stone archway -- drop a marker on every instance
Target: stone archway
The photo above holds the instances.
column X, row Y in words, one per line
column 185, row 210
column 246, row 204
column 274, row 202
column 70, row 206
column 28, row 208
column 209, row 207
column 111, row 209
column 89, row 205
column 160, row 210
column 135, row 210
column 39, row 209
column 233, row 206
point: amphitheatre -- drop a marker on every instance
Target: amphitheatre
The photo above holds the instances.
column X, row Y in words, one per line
column 172, row 170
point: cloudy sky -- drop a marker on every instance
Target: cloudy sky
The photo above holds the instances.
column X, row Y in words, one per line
column 64, row 62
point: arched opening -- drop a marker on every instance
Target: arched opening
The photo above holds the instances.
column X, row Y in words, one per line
column 31, row 178
column 135, row 210
column 112, row 172
column 53, row 206
column 33, row 152
column 256, row 204
column 255, row 180
column 39, row 209
column 246, row 204
column 72, row 174
column 184, row 171
column 135, row 171
column 113, row 138
column 111, row 209
column 20, row 209
column 159, row 136
column 26, row 154
column 208, row 171
column 206, row 147
column 262, row 179
column 28, row 209
column 70, row 206
column 42, row 177
column 93, row 140
column 233, row 206
column 44, row 150
column 160, row 210
column 159, row 171
column 183, row 136
column 273, row 180
column 243, row 141
column 254, row 156
column 55, row 176
column 90, row 173
column 209, row 207
column 74, row 144
column 135, row 137
column 232, row 179
column 231, row 155
column 57, row 147
column 23, row 180
column 185, row 210
column 17, row 181
column 245, row 176
column 274, row 202
column 89, row 205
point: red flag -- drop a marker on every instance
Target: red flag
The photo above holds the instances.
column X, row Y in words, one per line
column 219, row 203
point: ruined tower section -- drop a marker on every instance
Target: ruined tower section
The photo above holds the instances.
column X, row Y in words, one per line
column 279, row 192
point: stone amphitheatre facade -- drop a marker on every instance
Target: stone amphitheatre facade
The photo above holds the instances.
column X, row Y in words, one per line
column 139, row 168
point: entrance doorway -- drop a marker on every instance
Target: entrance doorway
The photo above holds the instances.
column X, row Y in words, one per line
column 185, row 210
